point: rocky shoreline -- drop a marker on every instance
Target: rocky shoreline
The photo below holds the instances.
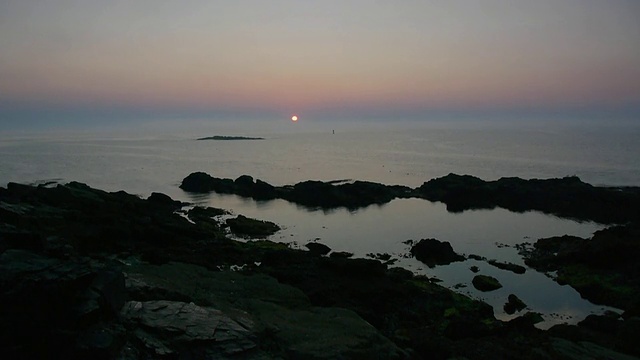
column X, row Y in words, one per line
column 566, row 197
column 91, row 274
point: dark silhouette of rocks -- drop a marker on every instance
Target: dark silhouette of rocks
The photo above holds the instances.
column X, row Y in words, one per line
column 312, row 194
column 514, row 268
column 433, row 252
column 485, row 283
column 513, row 304
column 341, row 254
column 317, row 248
column 567, row 197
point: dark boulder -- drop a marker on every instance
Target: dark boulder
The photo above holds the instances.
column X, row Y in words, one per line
column 485, row 283
column 434, row 252
column 244, row 181
column 200, row 182
column 318, row 248
column 163, row 200
column 513, row 304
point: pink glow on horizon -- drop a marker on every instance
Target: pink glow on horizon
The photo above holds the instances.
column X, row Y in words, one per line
column 322, row 56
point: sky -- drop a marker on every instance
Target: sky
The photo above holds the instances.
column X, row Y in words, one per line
column 85, row 61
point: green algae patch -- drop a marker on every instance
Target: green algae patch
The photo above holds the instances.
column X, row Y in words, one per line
column 599, row 287
column 267, row 245
column 244, row 226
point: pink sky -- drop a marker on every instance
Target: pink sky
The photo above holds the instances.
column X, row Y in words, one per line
column 293, row 56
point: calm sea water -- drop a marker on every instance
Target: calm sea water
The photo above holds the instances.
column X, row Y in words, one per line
column 157, row 158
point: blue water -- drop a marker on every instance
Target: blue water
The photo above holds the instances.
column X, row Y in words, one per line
column 156, row 157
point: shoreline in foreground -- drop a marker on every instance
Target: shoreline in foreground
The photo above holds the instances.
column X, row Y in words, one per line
column 114, row 260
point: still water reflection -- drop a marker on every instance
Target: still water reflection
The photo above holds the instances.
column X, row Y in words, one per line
column 383, row 229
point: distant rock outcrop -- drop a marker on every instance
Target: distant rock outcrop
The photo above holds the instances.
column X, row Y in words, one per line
column 313, row 194
column 568, row 197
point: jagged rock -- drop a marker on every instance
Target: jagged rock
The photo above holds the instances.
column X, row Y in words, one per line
column 434, row 252
column 281, row 317
column 485, row 283
column 513, row 304
column 185, row 329
column 315, row 194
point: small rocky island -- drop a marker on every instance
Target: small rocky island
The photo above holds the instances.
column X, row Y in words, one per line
column 86, row 273
column 221, row 137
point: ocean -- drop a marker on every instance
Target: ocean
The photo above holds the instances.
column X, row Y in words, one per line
column 156, row 157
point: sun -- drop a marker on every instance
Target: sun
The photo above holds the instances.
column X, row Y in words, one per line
column 294, row 118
